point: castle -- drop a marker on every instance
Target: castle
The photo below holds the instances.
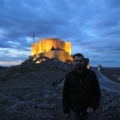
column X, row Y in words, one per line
column 54, row 48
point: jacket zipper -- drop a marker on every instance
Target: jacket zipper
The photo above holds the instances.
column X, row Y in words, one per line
column 81, row 92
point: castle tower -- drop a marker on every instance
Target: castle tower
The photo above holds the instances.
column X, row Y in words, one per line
column 35, row 48
column 52, row 42
column 68, row 47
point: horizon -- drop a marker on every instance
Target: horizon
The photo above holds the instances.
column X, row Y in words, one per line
column 62, row 61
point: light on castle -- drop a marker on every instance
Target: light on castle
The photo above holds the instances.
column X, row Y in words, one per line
column 45, row 45
column 53, row 48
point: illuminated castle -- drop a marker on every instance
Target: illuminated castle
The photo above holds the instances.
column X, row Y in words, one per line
column 52, row 48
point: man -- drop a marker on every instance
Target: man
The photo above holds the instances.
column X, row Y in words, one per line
column 81, row 92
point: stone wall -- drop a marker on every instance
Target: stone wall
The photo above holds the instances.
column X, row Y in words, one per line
column 62, row 45
column 35, row 48
column 42, row 45
column 68, row 47
column 45, row 44
column 58, row 54
column 52, row 43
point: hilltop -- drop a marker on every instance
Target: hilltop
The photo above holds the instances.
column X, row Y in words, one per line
column 2, row 68
column 31, row 91
column 30, row 74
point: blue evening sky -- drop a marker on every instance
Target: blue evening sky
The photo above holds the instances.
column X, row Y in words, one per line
column 92, row 27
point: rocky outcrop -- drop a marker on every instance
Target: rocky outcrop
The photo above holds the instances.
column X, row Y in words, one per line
column 109, row 108
column 32, row 92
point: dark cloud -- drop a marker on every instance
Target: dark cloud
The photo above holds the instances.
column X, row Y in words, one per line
column 92, row 27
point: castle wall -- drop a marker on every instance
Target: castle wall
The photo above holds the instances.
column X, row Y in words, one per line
column 43, row 48
column 52, row 43
column 68, row 47
column 59, row 54
column 35, row 48
column 46, row 44
column 42, row 45
column 61, row 45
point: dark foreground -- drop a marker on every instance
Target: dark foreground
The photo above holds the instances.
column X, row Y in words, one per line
column 31, row 92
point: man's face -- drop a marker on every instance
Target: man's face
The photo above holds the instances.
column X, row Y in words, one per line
column 78, row 63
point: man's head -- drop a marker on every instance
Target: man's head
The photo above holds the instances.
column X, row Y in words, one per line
column 78, row 62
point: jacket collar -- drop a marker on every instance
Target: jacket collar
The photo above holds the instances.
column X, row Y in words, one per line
column 77, row 74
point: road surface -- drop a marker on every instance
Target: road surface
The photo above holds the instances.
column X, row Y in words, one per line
column 106, row 83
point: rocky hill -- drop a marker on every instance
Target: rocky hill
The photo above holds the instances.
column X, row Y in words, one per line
column 2, row 68
column 32, row 92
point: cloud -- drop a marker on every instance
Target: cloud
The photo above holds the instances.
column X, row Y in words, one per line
column 92, row 27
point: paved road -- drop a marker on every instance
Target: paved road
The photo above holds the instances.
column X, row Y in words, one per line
column 104, row 82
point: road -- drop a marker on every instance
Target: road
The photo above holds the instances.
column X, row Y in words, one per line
column 104, row 82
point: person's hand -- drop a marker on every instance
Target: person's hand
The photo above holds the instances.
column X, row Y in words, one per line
column 90, row 110
column 67, row 116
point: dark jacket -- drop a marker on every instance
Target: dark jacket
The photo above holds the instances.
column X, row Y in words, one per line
column 80, row 91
